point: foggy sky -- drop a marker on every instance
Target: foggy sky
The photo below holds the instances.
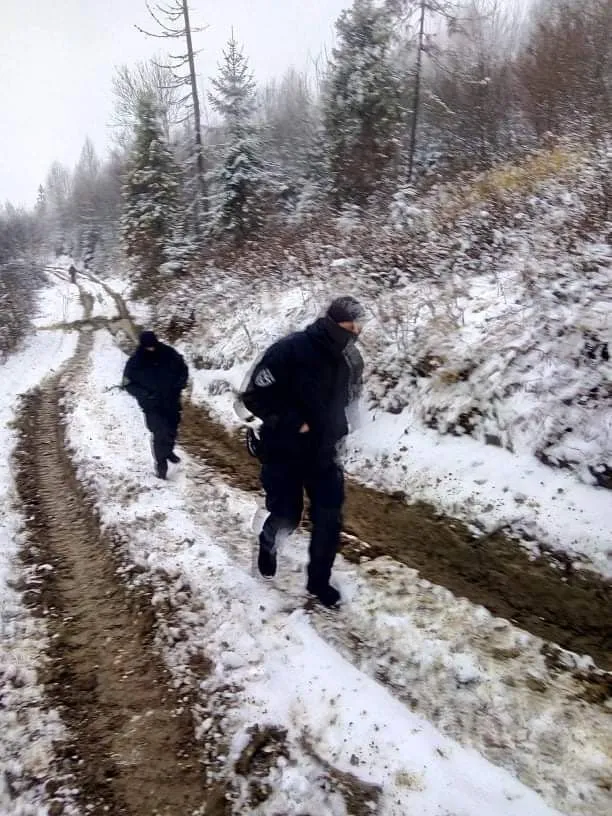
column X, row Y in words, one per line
column 57, row 59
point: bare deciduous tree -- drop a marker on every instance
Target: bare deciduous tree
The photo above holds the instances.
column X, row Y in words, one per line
column 85, row 201
column 418, row 18
column 473, row 86
column 58, row 215
column 132, row 85
column 174, row 24
column 287, row 116
column 568, row 88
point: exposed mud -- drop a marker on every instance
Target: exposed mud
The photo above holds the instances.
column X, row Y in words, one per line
column 570, row 608
column 133, row 750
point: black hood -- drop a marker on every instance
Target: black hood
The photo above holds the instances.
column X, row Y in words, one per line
column 148, row 339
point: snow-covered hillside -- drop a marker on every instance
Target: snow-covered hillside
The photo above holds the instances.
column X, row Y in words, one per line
column 488, row 381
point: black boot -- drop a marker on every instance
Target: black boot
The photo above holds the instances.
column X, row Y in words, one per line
column 266, row 562
column 161, row 470
column 326, row 593
column 172, row 457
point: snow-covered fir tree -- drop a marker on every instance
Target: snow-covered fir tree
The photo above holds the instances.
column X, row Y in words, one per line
column 362, row 107
column 236, row 200
column 58, row 209
column 150, row 194
column 85, row 200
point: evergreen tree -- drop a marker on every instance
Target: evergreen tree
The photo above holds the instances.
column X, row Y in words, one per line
column 85, row 201
column 57, row 213
column 40, row 212
column 41, row 200
column 237, row 206
column 150, row 194
column 362, row 108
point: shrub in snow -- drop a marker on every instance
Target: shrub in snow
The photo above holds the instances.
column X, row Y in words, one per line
column 19, row 283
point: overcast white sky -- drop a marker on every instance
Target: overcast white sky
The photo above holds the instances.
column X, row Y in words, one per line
column 57, row 58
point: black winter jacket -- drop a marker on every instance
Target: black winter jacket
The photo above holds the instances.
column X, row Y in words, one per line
column 156, row 378
column 308, row 377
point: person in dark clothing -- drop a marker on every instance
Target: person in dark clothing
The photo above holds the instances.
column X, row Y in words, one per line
column 73, row 273
column 301, row 389
column 155, row 375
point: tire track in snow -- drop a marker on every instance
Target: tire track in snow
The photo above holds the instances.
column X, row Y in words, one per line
column 133, row 752
column 570, row 609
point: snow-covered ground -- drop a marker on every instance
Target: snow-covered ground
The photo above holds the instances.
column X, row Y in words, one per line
column 483, row 682
column 102, row 302
column 59, row 302
column 28, row 727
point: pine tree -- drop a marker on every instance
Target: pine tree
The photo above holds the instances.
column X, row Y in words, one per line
column 362, row 108
column 150, row 194
column 58, row 193
column 237, row 211
column 41, row 200
column 85, row 202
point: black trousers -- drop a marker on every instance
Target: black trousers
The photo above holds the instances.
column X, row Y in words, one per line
column 163, row 422
column 284, row 484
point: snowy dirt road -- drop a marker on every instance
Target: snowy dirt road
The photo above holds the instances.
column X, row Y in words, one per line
column 549, row 599
column 261, row 707
column 129, row 746
column 131, row 752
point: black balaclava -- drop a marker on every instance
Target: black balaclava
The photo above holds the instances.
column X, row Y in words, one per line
column 148, row 339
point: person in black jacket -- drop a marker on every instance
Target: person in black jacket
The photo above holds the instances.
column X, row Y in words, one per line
column 155, row 375
column 301, row 389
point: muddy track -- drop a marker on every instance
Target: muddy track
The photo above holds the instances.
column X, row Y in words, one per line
column 133, row 752
column 567, row 607
column 572, row 609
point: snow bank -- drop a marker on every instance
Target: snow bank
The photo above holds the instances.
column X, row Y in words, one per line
column 28, row 727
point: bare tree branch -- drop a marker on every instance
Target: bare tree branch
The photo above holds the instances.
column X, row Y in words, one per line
column 167, row 17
